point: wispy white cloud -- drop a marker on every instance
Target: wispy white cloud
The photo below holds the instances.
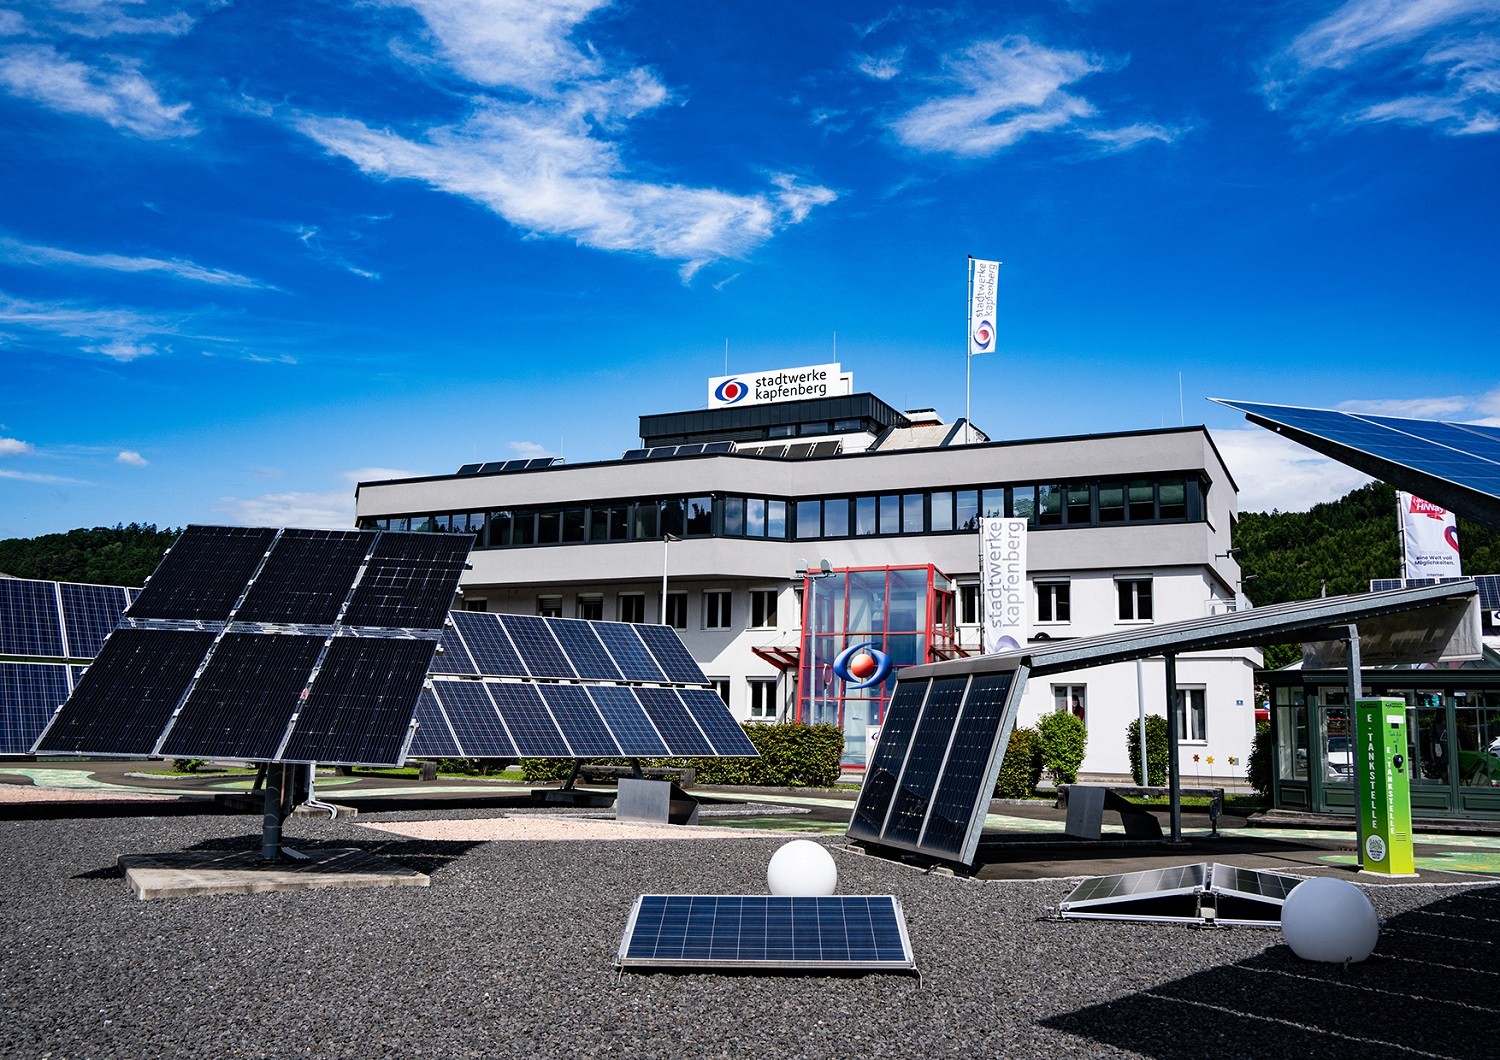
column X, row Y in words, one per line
column 131, row 458
column 28, row 253
column 1422, row 408
column 881, row 67
column 72, row 320
column 541, row 144
column 123, row 350
column 122, row 97
column 114, row 18
column 12, row 23
column 1418, row 62
column 31, row 476
column 324, row 510
column 15, row 447
column 1275, row 473
column 998, row 92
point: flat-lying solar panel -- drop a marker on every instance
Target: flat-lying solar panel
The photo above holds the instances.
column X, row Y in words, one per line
column 434, row 737
column 834, row 933
column 409, row 581
column 306, row 578
column 31, row 694
column 128, row 693
column 1193, row 894
column 203, row 573
column 30, row 623
column 1487, row 584
column 360, row 707
column 90, row 614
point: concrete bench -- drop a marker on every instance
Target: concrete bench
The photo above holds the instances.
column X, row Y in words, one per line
column 685, row 776
column 1086, row 804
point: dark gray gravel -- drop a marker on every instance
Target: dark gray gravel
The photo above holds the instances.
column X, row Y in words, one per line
column 510, row 953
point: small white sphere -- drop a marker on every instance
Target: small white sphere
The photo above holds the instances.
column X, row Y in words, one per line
column 1329, row 920
column 802, row 869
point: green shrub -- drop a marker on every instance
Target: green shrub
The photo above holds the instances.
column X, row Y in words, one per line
column 1022, row 767
column 187, row 765
column 791, row 756
column 1260, row 760
column 1156, row 750
column 1062, row 739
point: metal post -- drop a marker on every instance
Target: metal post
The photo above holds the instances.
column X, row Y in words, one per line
column 1174, row 781
column 666, row 539
column 1140, row 700
column 1356, row 681
column 271, row 817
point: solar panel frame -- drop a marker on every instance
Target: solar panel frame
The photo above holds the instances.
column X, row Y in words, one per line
column 30, row 619
column 306, row 577
column 31, row 693
column 742, row 932
column 725, row 735
column 409, row 581
column 204, row 573
column 667, row 649
column 434, row 737
column 361, row 702
column 538, row 649
column 666, row 710
column 90, row 613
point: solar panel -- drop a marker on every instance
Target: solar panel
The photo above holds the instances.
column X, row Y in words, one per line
column 434, row 738
column 492, row 466
column 306, row 578
column 1171, row 894
column 538, row 648
column 1488, row 585
column 919, row 774
column 628, row 651
column 661, row 452
column 966, row 781
column 826, row 448
column 203, row 573
column 128, row 693
column 712, row 715
column 452, row 657
column 690, row 450
column 667, row 649
column 30, row 623
column 475, row 722
column 90, row 613
column 585, row 730
column 584, row 650
column 469, row 469
column 799, row 450
column 718, row 447
column 1248, row 897
column 635, row 454
column 409, row 581
column 837, row 932
column 627, row 720
column 360, row 708
column 242, row 703
column 31, row 694
column 883, row 771
column 664, row 708
column 488, row 644
column 531, row 726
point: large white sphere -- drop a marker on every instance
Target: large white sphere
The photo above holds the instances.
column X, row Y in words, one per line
column 802, row 869
column 1329, row 920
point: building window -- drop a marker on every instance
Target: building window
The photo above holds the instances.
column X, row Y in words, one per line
column 676, row 614
column 1054, row 601
column 913, row 517
column 721, row 686
column 809, row 519
column 776, row 520
column 700, row 516
column 476, row 604
column 549, row 606
column 1135, row 599
column 942, row 512
column 591, row 608
column 968, row 510
column 716, row 608
column 1192, row 715
column 1072, row 699
column 864, row 516
column 762, row 699
column 734, row 516
column 632, row 607
column 969, row 609
column 763, row 608
column 798, row 593
column 836, row 517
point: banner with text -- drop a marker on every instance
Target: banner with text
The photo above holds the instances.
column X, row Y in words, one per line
column 1002, row 580
column 779, row 384
column 1429, row 539
column 983, row 280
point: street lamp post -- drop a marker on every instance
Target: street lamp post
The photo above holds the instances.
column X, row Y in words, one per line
column 665, row 539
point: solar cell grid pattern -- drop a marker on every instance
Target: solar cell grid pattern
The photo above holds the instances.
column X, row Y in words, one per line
column 712, row 715
column 434, row 737
column 90, row 614
column 538, row 648
column 626, row 718
column 1487, row 584
column 203, row 573
column 1269, row 886
column 966, row 778
column 306, row 578
column 30, row 623
column 628, row 651
column 360, row 709
column 765, row 931
column 919, row 774
column 452, row 657
column 409, row 581
column 574, row 711
column 488, row 644
column 475, row 722
column 1175, row 879
column 875, row 794
column 31, row 692
column 528, row 720
column 664, row 708
column 584, row 650
column 668, row 651
column 241, row 705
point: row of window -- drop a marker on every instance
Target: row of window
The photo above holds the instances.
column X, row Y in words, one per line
column 1192, row 709
column 1161, row 500
column 716, row 608
column 763, row 703
column 1054, row 601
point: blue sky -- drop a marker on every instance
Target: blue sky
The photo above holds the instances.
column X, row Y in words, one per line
column 252, row 252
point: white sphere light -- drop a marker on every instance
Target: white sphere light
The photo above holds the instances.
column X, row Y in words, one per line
column 1329, row 920
column 802, row 869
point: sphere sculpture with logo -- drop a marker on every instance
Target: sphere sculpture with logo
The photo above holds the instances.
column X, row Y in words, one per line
column 1329, row 920
column 802, row 869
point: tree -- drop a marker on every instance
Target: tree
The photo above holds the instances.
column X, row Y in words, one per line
column 118, row 555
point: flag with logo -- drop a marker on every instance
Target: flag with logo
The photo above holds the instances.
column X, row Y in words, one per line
column 1002, row 579
column 984, row 277
column 1429, row 539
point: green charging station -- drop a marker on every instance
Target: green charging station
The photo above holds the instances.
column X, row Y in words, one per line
column 1382, row 775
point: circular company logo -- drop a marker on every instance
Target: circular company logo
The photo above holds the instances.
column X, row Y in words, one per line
column 1375, row 848
column 984, row 334
column 862, row 665
column 730, row 391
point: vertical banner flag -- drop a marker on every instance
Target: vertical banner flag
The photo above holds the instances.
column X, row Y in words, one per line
column 1002, row 579
column 1429, row 539
column 982, row 284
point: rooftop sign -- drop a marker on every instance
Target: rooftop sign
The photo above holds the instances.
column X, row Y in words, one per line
column 779, row 384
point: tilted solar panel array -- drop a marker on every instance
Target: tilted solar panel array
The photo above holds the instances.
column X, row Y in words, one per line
column 934, row 769
column 270, row 645
column 1488, row 585
column 45, row 626
column 522, row 686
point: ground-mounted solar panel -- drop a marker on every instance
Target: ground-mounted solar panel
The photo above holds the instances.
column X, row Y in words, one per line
column 360, row 706
column 726, row 735
column 204, row 573
column 488, row 644
column 452, row 657
column 476, row 724
column 587, row 654
column 128, row 693
column 581, row 723
column 538, row 648
column 1248, row 897
column 628, row 651
column 967, row 782
column 528, row 720
column 409, row 581
column 90, row 614
column 30, row 622
column 922, row 769
column 667, row 649
column 1171, row 895
column 30, row 694
column 742, row 932
column 434, row 738
column 665, row 709
column 242, row 703
column 306, row 578
column 883, row 771
column 621, row 709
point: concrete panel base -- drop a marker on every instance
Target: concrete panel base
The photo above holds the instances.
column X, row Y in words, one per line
column 194, row 873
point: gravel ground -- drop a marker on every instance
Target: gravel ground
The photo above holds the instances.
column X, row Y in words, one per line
column 510, row 951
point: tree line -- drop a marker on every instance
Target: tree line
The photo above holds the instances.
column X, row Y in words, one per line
column 123, row 554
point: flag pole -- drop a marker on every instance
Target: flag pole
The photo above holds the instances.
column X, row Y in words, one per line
column 968, row 353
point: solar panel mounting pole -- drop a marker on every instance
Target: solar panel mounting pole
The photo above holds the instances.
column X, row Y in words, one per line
column 1174, row 780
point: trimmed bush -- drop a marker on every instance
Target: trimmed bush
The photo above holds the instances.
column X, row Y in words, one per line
column 791, row 756
column 1062, row 740
column 1260, row 760
column 1022, row 767
column 1156, row 750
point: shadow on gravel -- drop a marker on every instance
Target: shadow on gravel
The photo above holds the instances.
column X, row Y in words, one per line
column 420, row 855
column 1427, row 990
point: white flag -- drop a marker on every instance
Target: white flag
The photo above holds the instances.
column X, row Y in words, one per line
column 1429, row 539
column 984, row 278
column 1002, row 579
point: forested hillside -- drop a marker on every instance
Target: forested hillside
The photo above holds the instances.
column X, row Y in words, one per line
column 118, row 555
column 1345, row 543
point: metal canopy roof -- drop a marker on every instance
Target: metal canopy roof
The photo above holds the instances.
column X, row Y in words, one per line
column 1439, row 610
column 1456, row 465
